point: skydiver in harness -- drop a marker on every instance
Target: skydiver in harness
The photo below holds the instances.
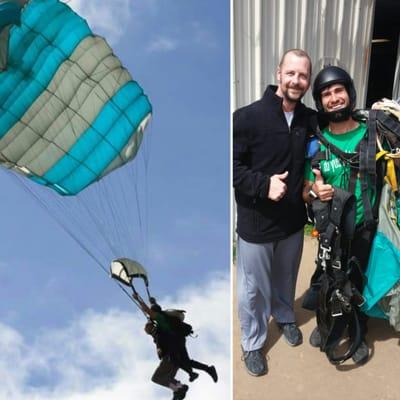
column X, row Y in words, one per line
column 169, row 335
column 342, row 186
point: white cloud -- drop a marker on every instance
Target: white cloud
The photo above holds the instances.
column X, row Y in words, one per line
column 104, row 356
column 112, row 19
column 193, row 35
column 107, row 18
column 162, row 44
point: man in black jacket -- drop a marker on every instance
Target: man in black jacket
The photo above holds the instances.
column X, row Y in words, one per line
column 269, row 141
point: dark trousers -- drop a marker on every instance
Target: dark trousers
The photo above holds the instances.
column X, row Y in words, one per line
column 360, row 248
column 165, row 373
column 183, row 361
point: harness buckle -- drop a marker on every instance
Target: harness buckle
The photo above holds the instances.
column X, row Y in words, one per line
column 359, row 299
column 344, row 300
column 336, row 308
column 325, row 254
column 337, row 264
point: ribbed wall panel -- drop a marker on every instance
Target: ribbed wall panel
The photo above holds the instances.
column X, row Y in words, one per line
column 396, row 84
column 339, row 30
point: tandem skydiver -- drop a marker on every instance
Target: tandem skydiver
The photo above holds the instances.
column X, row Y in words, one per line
column 342, row 168
column 169, row 335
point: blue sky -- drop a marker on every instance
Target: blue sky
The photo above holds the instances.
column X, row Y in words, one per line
column 66, row 331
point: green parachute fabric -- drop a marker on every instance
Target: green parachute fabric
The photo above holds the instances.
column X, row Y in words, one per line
column 70, row 113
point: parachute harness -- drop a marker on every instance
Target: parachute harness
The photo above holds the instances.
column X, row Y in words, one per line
column 332, row 293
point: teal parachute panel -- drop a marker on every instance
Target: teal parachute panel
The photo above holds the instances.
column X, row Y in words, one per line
column 10, row 13
column 70, row 113
column 383, row 270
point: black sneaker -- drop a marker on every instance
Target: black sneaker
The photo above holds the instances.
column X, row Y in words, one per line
column 180, row 393
column 361, row 355
column 193, row 376
column 255, row 362
column 291, row 333
column 315, row 338
column 213, row 373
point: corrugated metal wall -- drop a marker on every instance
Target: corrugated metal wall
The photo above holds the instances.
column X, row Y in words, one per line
column 396, row 84
column 336, row 30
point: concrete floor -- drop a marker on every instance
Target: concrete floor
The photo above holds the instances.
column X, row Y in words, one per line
column 304, row 373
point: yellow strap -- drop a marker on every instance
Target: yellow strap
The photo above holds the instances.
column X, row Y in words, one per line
column 391, row 174
column 390, row 169
column 380, row 154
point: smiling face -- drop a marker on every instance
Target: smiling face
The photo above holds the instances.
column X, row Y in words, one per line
column 334, row 98
column 294, row 78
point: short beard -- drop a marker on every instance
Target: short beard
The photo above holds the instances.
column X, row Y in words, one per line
column 338, row 116
column 291, row 99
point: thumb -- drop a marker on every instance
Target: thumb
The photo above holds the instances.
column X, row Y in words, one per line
column 282, row 176
column 318, row 176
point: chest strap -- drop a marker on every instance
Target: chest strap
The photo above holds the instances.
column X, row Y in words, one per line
column 362, row 165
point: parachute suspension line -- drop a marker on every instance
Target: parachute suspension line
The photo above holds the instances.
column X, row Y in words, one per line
column 110, row 206
column 74, row 237
column 98, row 224
column 134, row 300
column 127, row 192
column 89, row 212
column 148, row 293
column 130, row 297
column 48, row 210
column 142, row 207
column 146, row 158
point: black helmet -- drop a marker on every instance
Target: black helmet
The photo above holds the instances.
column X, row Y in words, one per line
column 156, row 307
column 329, row 76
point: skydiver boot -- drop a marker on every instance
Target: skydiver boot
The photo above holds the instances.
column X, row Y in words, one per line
column 213, row 373
column 361, row 355
column 210, row 369
column 193, row 376
column 180, row 394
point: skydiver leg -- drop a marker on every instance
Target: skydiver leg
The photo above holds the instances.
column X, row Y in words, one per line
column 184, row 362
column 360, row 248
column 165, row 373
column 210, row 369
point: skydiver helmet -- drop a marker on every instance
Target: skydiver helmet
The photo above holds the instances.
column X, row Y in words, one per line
column 328, row 76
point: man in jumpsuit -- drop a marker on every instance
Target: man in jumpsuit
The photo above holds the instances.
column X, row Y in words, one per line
column 269, row 141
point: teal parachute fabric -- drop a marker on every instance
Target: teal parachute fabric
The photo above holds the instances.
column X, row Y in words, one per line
column 70, row 113
column 10, row 13
column 383, row 271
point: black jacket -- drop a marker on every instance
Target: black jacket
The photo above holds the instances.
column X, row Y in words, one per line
column 263, row 145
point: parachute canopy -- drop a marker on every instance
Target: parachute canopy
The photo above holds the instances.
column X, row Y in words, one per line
column 10, row 13
column 70, row 113
column 124, row 270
